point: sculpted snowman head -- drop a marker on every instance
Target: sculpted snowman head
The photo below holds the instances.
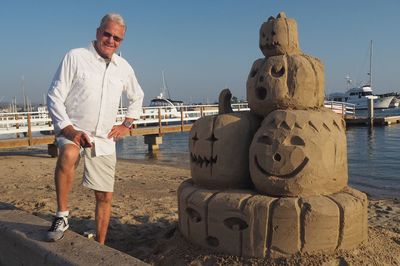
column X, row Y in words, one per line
column 278, row 36
column 299, row 153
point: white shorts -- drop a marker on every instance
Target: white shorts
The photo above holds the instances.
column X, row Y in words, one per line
column 99, row 171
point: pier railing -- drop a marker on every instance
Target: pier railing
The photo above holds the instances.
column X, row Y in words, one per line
column 27, row 128
column 25, row 122
column 347, row 110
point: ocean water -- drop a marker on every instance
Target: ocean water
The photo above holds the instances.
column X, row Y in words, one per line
column 373, row 157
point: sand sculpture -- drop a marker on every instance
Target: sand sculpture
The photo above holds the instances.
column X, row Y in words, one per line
column 277, row 187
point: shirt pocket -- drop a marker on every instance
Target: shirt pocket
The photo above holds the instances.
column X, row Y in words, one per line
column 86, row 89
column 115, row 88
column 116, row 84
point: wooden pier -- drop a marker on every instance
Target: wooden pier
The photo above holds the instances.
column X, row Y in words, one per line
column 44, row 140
column 18, row 128
column 377, row 121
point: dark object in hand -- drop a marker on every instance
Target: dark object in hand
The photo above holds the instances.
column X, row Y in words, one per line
column 85, row 144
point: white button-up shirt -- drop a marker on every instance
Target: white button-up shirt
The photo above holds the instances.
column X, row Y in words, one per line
column 85, row 93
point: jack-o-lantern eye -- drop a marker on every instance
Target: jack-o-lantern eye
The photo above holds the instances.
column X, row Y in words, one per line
column 277, row 71
column 195, row 139
column 235, row 224
column 212, row 138
column 261, row 93
column 296, row 140
column 193, row 215
column 265, row 140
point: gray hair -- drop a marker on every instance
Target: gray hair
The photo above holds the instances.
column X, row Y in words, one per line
column 113, row 17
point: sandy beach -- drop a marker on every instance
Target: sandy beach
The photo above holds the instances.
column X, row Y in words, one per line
column 144, row 214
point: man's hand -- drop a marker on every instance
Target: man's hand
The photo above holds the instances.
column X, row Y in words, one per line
column 118, row 132
column 76, row 136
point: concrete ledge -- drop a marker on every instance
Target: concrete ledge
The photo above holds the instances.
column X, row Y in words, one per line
column 22, row 243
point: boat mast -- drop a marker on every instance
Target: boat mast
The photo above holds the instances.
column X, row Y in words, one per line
column 165, row 88
column 348, row 82
column 23, row 93
column 370, row 66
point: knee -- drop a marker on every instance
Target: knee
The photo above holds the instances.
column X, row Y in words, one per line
column 68, row 157
column 103, row 197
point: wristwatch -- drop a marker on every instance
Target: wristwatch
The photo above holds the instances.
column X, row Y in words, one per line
column 127, row 124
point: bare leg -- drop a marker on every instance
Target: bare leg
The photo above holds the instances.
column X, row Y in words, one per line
column 103, row 212
column 64, row 174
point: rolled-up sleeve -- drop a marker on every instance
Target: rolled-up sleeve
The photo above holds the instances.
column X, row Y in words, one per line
column 58, row 92
column 135, row 95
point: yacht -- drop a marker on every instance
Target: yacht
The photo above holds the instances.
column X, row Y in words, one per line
column 161, row 101
column 164, row 106
column 359, row 96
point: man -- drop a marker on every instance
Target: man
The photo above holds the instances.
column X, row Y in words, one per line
column 83, row 102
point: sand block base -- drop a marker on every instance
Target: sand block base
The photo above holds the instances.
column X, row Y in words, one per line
column 22, row 243
column 243, row 223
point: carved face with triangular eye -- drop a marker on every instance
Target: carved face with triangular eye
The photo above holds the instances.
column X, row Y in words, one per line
column 278, row 36
column 296, row 152
column 219, row 147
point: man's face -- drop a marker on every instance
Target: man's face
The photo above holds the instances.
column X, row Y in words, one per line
column 109, row 38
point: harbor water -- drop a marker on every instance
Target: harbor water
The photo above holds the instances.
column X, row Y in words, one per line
column 373, row 154
column 373, row 157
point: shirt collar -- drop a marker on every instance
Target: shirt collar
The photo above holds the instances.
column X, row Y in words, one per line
column 98, row 57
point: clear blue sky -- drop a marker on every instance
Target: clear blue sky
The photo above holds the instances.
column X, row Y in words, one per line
column 203, row 46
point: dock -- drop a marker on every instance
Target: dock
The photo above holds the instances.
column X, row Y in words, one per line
column 377, row 121
column 22, row 129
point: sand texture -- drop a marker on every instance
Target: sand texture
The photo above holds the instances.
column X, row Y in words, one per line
column 145, row 215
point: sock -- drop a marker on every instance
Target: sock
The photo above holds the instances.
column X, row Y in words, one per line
column 62, row 214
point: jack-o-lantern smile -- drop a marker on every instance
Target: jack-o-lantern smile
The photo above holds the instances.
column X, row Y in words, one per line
column 299, row 152
column 288, row 175
column 206, row 161
column 282, row 157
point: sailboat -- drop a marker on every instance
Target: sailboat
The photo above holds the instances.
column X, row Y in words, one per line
column 361, row 95
column 164, row 98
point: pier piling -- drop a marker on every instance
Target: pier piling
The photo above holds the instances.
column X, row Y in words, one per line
column 371, row 112
column 153, row 141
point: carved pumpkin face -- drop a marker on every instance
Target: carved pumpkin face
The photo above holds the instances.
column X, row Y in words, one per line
column 298, row 152
column 278, row 36
column 280, row 82
column 219, row 149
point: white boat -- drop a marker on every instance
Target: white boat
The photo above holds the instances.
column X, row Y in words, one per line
column 359, row 96
column 166, row 106
column 161, row 101
column 396, row 98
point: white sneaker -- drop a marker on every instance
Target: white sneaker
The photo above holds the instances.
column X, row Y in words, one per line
column 57, row 229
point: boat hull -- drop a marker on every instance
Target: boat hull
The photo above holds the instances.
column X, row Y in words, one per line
column 379, row 103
